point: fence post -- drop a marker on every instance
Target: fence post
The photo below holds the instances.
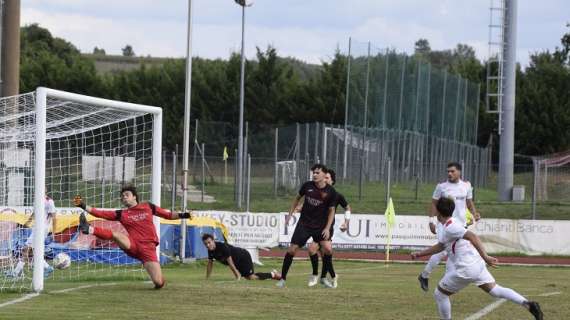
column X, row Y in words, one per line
column 173, row 194
column 248, row 190
column 534, row 186
column 276, row 160
column 203, row 171
column 388, row 182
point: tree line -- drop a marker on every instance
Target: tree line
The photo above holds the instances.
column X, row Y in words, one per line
column 281, row 91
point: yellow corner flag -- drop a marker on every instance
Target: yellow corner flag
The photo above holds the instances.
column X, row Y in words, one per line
column 390, row 215
column 225, row 156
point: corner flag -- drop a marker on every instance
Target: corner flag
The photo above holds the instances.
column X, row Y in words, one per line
column 225, row 156
column 390, row 215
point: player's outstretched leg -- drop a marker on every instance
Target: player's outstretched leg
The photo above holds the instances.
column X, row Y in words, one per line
column 497, row 291
column 155, row 273
column 433, row 261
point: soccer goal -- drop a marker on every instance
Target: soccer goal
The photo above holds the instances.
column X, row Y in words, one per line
column 54, row 145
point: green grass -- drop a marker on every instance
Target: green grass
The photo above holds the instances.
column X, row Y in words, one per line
column 372, row 200
column 366, row 291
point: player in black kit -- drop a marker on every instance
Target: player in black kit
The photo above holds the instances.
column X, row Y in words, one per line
column 237, row 259
column 317, row 216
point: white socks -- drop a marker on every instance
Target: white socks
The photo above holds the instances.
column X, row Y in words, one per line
column 432, row 263
column 443, row 304
column 46, row 265
column 506, row 293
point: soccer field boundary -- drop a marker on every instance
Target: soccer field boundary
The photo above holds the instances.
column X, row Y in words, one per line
column 33, row 295
column 490, row 307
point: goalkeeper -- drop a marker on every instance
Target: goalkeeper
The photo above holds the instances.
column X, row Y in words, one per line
column 137, row 218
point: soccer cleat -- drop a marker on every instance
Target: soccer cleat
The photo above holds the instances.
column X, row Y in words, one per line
column 534, row 309
column 326, row 283
column 313, row 280
column 14, row 275
column 275, row 275
column 335, row 282
column 280, row 284
column 48, row 271
column 83, row 224
column 424, row 283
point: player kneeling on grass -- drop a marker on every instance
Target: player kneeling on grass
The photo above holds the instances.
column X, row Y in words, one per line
column 237, row 259
column 466, row 264
column 137, row 218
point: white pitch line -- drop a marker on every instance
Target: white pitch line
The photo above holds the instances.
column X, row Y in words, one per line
column 33, row 295
column 483, row 312
column 21, row 299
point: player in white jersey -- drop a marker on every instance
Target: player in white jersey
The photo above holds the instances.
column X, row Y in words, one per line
column 27, row 250
column 466, row 264
column 462, row 194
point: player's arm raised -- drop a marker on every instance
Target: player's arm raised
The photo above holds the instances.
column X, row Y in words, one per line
column 171, row 215
column 105, row 214
column 436, row 248
column 476, row 242
column 233, row 268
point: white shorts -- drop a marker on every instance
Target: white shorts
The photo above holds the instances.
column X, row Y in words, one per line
column 452, row 282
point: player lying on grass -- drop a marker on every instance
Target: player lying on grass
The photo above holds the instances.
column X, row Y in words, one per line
column 237, row 259
column 313, row 248
column 141, row 240
column 466, row 264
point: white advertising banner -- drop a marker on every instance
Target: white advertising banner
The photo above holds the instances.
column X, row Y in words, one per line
column 248, row 230
column 369, row 231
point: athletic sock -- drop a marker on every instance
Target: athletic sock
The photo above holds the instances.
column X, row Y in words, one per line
column 327, row 260
column 46, row 265
column 315, row 263
column 431, row 264
column 286, row 265
column 324, row 269
column 506, row 293
column 263, row 275
column 443, row 304
column 102, row 233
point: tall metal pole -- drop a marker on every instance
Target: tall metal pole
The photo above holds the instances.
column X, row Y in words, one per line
column 507, row 141
column 10, row 48
column 345, row 156
column 241, row 102
column 186, row 143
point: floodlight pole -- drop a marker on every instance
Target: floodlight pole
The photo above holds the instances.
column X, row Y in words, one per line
column 507, row 139
column 186, row 143
column 243, row 4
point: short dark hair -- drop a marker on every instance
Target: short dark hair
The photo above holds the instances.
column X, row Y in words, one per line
column 457, row 165
column 333, row 175
column 207, row 236
column 445, row 206
column 320, row 166
column 132, row 189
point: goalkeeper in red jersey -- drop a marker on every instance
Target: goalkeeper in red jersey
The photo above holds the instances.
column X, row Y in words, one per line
column 137, row 218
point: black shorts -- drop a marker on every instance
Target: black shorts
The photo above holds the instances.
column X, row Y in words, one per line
column 303, row 233
column 245, row 265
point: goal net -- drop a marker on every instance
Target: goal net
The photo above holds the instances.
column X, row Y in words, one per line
column 552, row 177
column 54, row 145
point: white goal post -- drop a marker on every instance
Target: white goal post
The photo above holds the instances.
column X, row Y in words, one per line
column 53, row 114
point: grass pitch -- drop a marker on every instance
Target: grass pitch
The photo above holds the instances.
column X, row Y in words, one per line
column 367, row 290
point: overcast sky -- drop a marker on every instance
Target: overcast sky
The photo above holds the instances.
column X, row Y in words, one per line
column 309, row 30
